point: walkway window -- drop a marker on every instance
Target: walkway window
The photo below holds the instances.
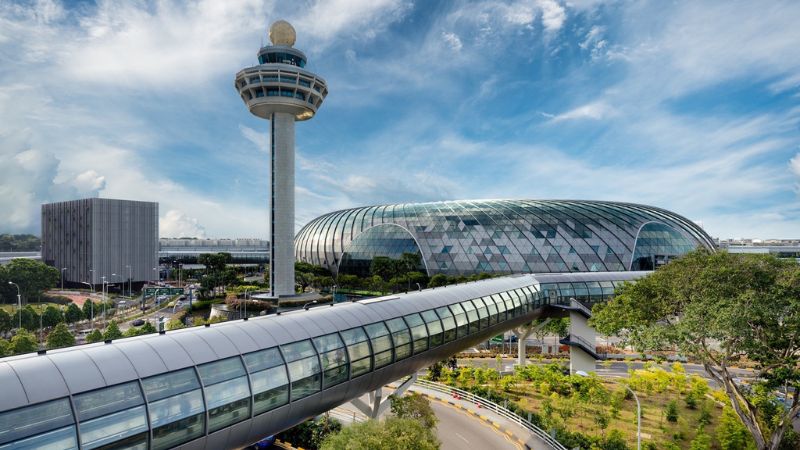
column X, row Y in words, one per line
column 177, row 412
column 114, row 415
column 549, row 293
column 358, row 350
column 448, row 323
column 462, row 324
column 483, row 312
column 418, row 332
column 381, row 344
column 581, row 292
column 46, row 425
column 511, row 308
column 519, row 301
column 269, row 380
column 434, row 327
column 401, row 338
column 227, row 392
column 472, row 316
column 608, row 289
column 565, row 291
column 595, row 291
column 491, row 308
column 500, row 303
column 304, row 371
column 255, row 80
column 333, row 355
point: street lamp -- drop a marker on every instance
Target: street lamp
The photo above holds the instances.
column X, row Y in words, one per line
column 62, row 277
column 19, row 303
column 245, row 301
column 91, row 303
column 581, row 373
column 130, row 283
column 308, row 305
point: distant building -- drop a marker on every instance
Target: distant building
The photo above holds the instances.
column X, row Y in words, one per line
column 99, row 237
column 188, row 249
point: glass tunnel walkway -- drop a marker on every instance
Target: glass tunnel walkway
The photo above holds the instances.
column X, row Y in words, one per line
column 230, row 384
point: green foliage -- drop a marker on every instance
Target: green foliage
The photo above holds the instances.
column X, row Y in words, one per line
column 614, row 441
column 19, row 243
column 691, row 400
column 671, row 411
column 73, row 313
column 311, row 433
column 731, row 434
column 90, row 309
column 60, row 337
column 701, row 441
column 147, row 328
column 720, row 297
column 23, row 342
column 391, row 434
column 6, row 323
column 51, row 316
column 435, row 371
column 438, row 280
column 33, row 278
column 5, row 348
column 705, row 414
column 30, row 320
column 414, row 406
column 112, row 331
column 175, row 324
column 94, row 336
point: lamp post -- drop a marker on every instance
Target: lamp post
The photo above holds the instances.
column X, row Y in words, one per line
column 581, row 373
column 19, row 303
column 245, row 301
column 308, row 305
column 91, row 303
column 62, row 277
column 130, row 283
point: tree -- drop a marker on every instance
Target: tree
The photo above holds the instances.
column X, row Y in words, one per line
column 51, row 316
column 383, row 266
column 24, row 342
column 73, row 313
column 89, row 309
column 409, row 262
column 175, row 324
column 5, row 348
column 749, row 305
column 33, row 278
column 112, row 331
column 671, row 411
column 414, row 406
column 94, row 336
column 30, row 320
column 60, row 337
column 5, row 321
column 391, row 434
column 438, row 280
column 701, row 441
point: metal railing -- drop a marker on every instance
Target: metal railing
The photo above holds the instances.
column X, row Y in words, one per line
column 577, row 339
column 493, row 407
column 580, row 306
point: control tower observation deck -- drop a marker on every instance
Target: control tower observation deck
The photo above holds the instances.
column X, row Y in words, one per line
column 280, row 90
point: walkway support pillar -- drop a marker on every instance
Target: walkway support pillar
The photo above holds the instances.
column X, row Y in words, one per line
column 523, row 333
column 378, row 405
column 580, row 330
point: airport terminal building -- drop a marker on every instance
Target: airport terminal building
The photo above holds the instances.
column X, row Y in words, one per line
column 501, row 236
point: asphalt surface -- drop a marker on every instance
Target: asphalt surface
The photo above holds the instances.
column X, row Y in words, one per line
column 458, row 430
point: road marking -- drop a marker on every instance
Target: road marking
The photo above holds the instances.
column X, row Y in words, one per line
column 485, row 422
column 462, row 437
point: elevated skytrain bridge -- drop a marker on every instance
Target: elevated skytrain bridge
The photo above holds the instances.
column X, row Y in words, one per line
column 230, row 384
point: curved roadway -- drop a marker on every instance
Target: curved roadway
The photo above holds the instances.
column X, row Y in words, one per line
column 458, row 430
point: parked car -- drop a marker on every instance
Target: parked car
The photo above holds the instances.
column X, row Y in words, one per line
column 138, row 322
column 264, row 443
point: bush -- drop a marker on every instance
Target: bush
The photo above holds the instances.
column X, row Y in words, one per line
column 414, row 406
column 391, row 434
column 94, row 336
column 701, row 442
column 60, row 337
column 23, row 342
column 691, row 400
column 671, row 411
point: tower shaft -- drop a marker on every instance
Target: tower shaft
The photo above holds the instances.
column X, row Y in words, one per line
column 281, row 254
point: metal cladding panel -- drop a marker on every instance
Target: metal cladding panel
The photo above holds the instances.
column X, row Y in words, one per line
column 321, row 318
column 79, row 371
column 367, row 315
column 343, row 319
column 112, row 363
column 300, row 327
column 13, row 393
column 238, row 436
column 41, row 379
column 236, row 334
column 218, row 439
column 219, row 343
column 336, row 395
column 197, row 444
column 173, row 354
column 145, row 360
column 262, row 338
column 278, row 332
column 197, row 348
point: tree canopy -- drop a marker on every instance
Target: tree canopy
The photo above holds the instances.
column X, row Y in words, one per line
column 60, row 337
column 33, row 278
column 391, row 434
column 721, row 308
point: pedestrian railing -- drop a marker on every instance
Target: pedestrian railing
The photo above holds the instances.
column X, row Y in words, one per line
column 493, row 407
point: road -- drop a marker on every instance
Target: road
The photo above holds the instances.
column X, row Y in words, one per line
column 458, row 430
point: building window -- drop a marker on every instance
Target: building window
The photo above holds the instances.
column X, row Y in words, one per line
column 381, row 344
column 269, row 380
column 177, row 412
column 46, row 425
column 227, row 392
column 304, row 370
column 114, row 415
column 358, row 350
column 333, row 355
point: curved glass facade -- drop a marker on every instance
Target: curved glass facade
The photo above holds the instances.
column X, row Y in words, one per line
column 502, row 236
column 381, row 240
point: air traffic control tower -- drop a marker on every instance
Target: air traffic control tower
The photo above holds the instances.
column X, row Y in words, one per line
column 280, row 90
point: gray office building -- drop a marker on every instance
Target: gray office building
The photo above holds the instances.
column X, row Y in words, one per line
column 100, row 237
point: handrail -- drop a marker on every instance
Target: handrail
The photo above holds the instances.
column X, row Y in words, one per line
column 580, row 340
column 495, row 408
column 580, row 306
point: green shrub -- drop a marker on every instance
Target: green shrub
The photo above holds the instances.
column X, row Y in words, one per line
column 671, row 411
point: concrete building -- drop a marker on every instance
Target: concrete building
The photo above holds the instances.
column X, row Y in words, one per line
column 280, row 90
column 188, row 250
column 100, row 237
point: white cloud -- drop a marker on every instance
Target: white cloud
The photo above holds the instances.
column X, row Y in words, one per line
column 553, row 15
column 177, row 224
column 261, row 140
column 794, row 163
column 595, row 111
column 452, row 40
column 326, row 20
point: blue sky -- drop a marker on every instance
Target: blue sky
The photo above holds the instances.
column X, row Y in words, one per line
column 691, row 106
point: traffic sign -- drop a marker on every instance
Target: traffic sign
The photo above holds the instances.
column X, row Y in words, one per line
column 151, row 291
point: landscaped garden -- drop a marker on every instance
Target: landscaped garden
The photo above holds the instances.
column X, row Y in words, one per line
column 679, row 410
